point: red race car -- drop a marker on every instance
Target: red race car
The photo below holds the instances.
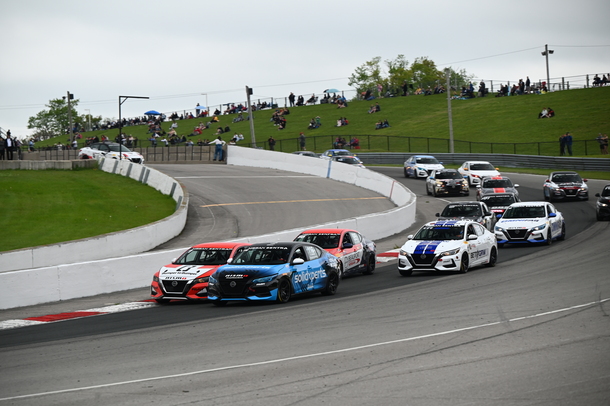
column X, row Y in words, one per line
column 356, row 254
column 186, row 278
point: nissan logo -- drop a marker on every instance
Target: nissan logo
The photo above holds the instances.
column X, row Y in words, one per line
column 423, row 256
column 174, row 283
column 232, row 284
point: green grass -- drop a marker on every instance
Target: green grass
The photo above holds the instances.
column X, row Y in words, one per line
column 51, row 206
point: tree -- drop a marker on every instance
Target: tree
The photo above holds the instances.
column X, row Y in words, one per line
column 367, row 76
column 54, row 121
column 399, row 72
column 425, row 73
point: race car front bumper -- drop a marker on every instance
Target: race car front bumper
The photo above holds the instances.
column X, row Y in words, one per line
column 429, row 263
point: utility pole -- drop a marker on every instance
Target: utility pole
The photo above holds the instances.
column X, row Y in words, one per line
column 69, row 97
column 451, row 149
column 250, row 117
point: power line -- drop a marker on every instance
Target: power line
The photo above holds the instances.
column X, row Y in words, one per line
column 490, row 56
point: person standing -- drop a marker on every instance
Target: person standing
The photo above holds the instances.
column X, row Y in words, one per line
column 562, row 144
column 9, row 146
column 568, row 142
column 3, row 146
column 291, row 99
column 218, row 151
column 602, row 139
column 271, row 142
column 302, row 141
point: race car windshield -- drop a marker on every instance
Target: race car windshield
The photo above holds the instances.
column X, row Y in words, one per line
column 567, row 178
column 482, row 167
column 606, row 192
column 498, row 200
column 204, row 257
column 262, row 256
column 461, row 211
column 326, row 241
column 440, row 233
column 342, row 153
column 349, row 160
column 427, row 161
column 524, row 212
column 448, row 175
column 497, row 183
column 119, row 148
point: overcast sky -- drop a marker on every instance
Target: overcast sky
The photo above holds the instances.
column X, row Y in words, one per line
column 173, row 51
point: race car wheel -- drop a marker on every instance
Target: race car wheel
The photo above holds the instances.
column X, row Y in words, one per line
column 219, row 303
column 284, row 291
column 562, row 236
column 464, row 264
column 428, row 190
column 370, row 265
column 405, row 273
column 493, row 257
column 549, row 238
column 340, row 269
column 162, row 301
column 406, row 173
column 433, row 191
column 332, row 283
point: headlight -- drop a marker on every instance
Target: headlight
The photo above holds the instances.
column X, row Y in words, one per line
column 540, row 227
column 264, row 280
column 156, row 278
column 204, row 279
column 211, row 279
column 450, row 252
column 498, row 228
column 600, row 204
column 403, row 253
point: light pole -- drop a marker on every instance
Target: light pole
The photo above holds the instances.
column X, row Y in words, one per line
column 88, row 119
column 121, row 101
column 546, row 53
column 449, row 111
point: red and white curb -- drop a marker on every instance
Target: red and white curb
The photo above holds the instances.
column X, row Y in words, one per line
column 388, row 256
column 32, row 321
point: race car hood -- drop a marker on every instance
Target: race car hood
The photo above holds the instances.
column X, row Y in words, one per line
column 185, row 272
column 430, row 247
column 570, row 185
column 491, row 190
column 430, row 167
column 484, row 173
column 520, row 223
column 473, row 218
column 250, row 271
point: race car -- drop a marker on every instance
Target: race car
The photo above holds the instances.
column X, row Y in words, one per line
column 602, row 206
column 475, row 211
column 356, row 254
column 530, row 222
column 329, row 153
column 347, row 159
column 448, row 246
column 446, row 182
column 565, row 185
column 110, row 150
column 420, row 166
column 275, row 272
column 499, row 202
column 186, row 278
column 473, row 171
column 496, row 184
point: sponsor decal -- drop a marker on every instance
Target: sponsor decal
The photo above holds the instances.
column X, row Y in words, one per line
column 426, row 247
column 499, row 190
column 309, row 276
column 478, row 254
column 236, row 276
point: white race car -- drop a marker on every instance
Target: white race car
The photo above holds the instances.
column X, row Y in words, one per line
column 448, row 246
column 473, row 171
column 110, row 150
column 530, row 222
column 420, row 166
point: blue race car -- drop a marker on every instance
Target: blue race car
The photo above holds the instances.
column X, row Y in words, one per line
column 274, row 272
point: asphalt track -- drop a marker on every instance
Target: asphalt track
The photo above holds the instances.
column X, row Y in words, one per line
column 534, row 330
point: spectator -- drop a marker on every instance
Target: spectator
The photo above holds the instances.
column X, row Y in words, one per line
column 568, row 142
column 602, row 139
column 3, row 147
column 218, row 151
column 271, row 142
column 302, row 141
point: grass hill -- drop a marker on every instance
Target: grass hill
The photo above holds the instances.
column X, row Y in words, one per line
column 583, row 112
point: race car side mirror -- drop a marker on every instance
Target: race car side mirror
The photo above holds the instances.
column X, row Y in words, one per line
column 597, row 195
column 437, row 214
column 410, row 237
column 516, row 185
column 498, row 216
column 229, row 260
column 347, row 245
column 298, row 261
column 586, row 180
column 472, row 237
column 552, row 214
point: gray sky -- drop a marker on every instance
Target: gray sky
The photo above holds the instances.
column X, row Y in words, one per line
column 172, row 51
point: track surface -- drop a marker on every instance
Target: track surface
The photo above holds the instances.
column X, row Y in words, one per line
column 534, row 330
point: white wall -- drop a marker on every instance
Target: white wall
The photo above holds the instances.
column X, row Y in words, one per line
column 130, row 271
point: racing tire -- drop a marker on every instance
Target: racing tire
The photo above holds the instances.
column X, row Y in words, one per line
column 467, row 193
column 464, row 264
column 162, row 301
column 332, row 283
column 370, row 265
column 433, row 191
column 405, row 273
column 493, row 257
column 562, row 236
column 340, row 270
column 428, row 190
column 284, row 291
column 406, row 173
column 549, row 238
column 219, row 303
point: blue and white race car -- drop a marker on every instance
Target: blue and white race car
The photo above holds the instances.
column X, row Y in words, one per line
column 420, row 166
column 454, row 245
column 275, row 272
column 530, row 222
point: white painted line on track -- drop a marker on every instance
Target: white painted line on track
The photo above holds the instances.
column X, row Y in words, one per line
column 306, row 356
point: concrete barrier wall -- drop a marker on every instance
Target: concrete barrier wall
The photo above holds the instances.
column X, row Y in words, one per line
column 133, row 241
column 93, row 277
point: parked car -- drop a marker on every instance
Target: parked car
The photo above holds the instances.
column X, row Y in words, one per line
column 565, row 185
column 446, row 182
column 496, row 184
column 448, row 246
column 474, row 211
column 473, row 171
column 109, row 150
column 356, row 253
column 421, row 166
column 275, row 272
column 602, row 207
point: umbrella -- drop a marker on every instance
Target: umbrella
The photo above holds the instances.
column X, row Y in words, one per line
column 331, row 91
column 201, row 108
column 152, row 113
